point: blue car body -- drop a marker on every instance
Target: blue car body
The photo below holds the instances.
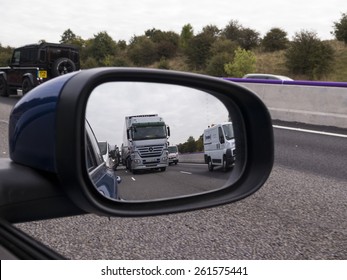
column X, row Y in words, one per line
column 32, row 135
column 29, row 143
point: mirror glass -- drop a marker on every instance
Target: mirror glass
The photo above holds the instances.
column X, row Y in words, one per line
column 151, row 141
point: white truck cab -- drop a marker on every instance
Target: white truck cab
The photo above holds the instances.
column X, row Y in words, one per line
column 145, row 143
column 219, row 146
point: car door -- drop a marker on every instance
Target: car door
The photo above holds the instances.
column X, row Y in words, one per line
column 103, row 177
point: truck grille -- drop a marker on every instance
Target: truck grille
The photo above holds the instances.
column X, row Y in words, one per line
column 151, row 151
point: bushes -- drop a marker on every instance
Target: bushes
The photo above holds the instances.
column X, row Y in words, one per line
column 243, row 63
column 308, row 55
column 213, row 51
column 340, row 29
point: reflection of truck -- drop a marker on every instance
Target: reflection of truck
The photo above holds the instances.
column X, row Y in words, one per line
column 34, row 64
column 173, row 154
column 145, row 143
column 219, row 146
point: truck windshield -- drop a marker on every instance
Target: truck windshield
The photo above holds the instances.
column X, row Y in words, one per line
column 172, row 149
column 228, row 131
column 149, row 132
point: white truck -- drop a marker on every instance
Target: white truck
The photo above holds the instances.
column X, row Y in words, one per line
column 145, row 144
column 219, row 146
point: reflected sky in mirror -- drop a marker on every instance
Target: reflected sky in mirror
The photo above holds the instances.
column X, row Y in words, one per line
column 185, row 110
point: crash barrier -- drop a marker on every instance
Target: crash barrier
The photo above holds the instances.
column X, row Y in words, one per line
column 192, row 158
column 318, row 103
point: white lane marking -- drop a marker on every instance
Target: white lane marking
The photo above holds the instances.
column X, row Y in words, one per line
column 311, row 131
column 132, row 178
column 184, row 172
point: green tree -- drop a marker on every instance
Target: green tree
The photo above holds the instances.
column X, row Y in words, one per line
column 5, row 55
column 122, row 45
column 89, row 62
column 232, row 31
column 186, row 35
column 163, row 64
column 166, row 42
column 222, row 52
column 142, row 51
column 215, row 65
column 275, row 40
column 223, row 45
column 248, row 39
column 103, row 47
column 157, row 36
column 69, row 37
column 340, row 29
column 308, row 55
column 211, row 30
column 189, row 146
column 87, row 55
column 244, row 62
column 121, row 59
column 200, row 144
column 198, row 51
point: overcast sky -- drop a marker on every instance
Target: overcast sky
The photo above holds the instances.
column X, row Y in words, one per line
column 24, row 22
column 186, row 111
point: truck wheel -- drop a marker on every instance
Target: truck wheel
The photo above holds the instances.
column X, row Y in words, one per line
column 26, row 85
column 162, row 169
column 224, row 165
column 129, row 166
column 3, row 87
column 63, row 66
column 210, row 165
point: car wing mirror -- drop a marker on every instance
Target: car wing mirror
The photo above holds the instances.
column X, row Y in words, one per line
column 104, row 103
column 147, row 170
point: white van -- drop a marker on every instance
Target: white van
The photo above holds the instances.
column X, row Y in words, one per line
column 173, row 154
column 105, row 149
column 219, row 146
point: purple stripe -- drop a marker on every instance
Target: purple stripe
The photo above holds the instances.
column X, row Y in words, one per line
column 294, row 83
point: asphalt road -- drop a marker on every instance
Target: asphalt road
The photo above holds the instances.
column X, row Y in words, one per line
column 300, row 213
column 177, row 180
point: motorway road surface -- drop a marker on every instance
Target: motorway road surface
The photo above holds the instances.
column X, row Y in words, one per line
column 300, row 213
column 177, row 180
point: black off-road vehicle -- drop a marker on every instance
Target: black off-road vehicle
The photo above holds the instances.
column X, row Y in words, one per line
column 32, row 65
